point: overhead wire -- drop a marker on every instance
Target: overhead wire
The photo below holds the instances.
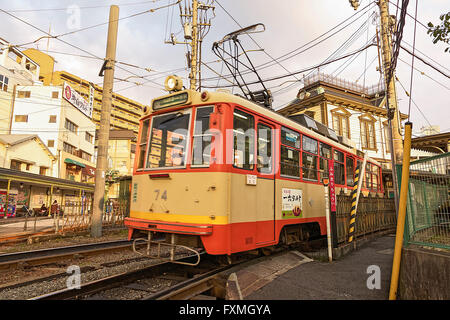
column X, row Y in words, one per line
column 294, row 52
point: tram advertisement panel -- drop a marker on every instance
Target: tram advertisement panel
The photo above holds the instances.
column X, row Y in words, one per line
column 291, row 203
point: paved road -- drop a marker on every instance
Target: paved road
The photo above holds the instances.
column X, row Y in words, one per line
column 345, row 279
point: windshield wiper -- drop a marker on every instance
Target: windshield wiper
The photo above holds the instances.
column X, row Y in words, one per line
column 178, row 115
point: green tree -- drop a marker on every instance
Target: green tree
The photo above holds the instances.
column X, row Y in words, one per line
column 441, row 32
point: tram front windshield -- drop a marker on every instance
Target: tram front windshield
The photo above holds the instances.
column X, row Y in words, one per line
column 168, row 140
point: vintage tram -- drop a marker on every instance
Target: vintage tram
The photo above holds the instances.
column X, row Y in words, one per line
column 219, row 172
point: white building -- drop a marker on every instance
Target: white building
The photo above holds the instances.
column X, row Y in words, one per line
column 15, row 69
column 62, row 120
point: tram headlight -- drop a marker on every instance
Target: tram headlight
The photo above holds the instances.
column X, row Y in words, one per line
column 173, row 83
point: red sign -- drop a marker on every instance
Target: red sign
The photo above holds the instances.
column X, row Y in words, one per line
column 332, row 188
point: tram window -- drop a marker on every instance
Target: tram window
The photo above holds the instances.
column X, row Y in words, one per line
column 309, row 145
column 290, row 138
column 339, row 168
column 143, row 143
column 325, row 154
column 309, row 162
column 243, row 138
column 325, row 151
column 201, row 150
column 350, row 166
column 264, row 149
column 169, row 135
column 289, row 165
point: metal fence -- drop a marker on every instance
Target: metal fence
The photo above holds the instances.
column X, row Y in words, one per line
column 428, row 207
column 373, row 214
column 75, row 216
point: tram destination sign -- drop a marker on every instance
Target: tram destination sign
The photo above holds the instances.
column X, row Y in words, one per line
column 170, row 101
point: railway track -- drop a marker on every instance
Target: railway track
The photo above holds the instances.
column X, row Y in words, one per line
column 45, row 256
column 152, row 280
column 162, row 281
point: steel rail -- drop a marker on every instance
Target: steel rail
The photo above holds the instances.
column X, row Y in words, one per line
column 43, row 256
column 110, row 282
column 193, row 287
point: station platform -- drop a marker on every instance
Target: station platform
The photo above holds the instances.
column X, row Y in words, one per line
column 295, row 276
column 12, row 227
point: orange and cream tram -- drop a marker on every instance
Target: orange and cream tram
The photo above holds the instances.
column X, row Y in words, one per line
column 219, row 172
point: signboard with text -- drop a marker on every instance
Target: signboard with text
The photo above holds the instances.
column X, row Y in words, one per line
column 332, row 188
column 291, row 202
column 75, row 99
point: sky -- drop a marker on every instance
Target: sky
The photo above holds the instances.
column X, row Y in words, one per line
column 289, row 25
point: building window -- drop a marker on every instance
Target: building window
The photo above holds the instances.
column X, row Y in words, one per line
column 69, row 125
column 52, row 119
column 55, row 94
column 4, row 83
column 50, row 143
column 23, row 94
column 43, row 170
column 69, row 148
column 15, row 165
column 341, row 122
column 309, row 159
column 21, row 118
column 88, row 137
column 86, row 156
column 290, row 153
column 368, row 140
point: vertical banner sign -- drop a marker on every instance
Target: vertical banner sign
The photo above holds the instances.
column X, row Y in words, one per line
column 332, row 203
column 91, row 96
column 332, row 188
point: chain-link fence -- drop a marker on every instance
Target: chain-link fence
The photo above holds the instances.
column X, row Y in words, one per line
column 428, row 204
column 373, row 214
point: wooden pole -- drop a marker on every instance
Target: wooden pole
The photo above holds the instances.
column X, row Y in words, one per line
column 103, row 133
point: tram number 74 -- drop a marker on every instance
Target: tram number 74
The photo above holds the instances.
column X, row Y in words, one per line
column 163, row 195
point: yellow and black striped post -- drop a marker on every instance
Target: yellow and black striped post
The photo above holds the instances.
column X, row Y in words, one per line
column 351, row 231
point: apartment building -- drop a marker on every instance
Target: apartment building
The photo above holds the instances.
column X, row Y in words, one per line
column 62, row 120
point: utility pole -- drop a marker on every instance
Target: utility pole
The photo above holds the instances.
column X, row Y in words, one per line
column 194, row 46
column 391, row 97
column 103, row 133
column 196, row 25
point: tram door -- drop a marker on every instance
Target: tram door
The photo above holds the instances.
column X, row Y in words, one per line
column 265, row 193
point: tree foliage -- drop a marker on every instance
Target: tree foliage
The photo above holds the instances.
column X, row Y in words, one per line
column 441, row 32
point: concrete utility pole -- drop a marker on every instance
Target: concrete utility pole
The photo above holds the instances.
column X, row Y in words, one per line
column 391, row 98
column 103, row 133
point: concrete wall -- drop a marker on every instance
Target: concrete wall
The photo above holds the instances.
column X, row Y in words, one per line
column 424, row 274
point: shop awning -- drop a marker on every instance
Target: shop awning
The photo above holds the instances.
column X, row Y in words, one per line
column 67, row 160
